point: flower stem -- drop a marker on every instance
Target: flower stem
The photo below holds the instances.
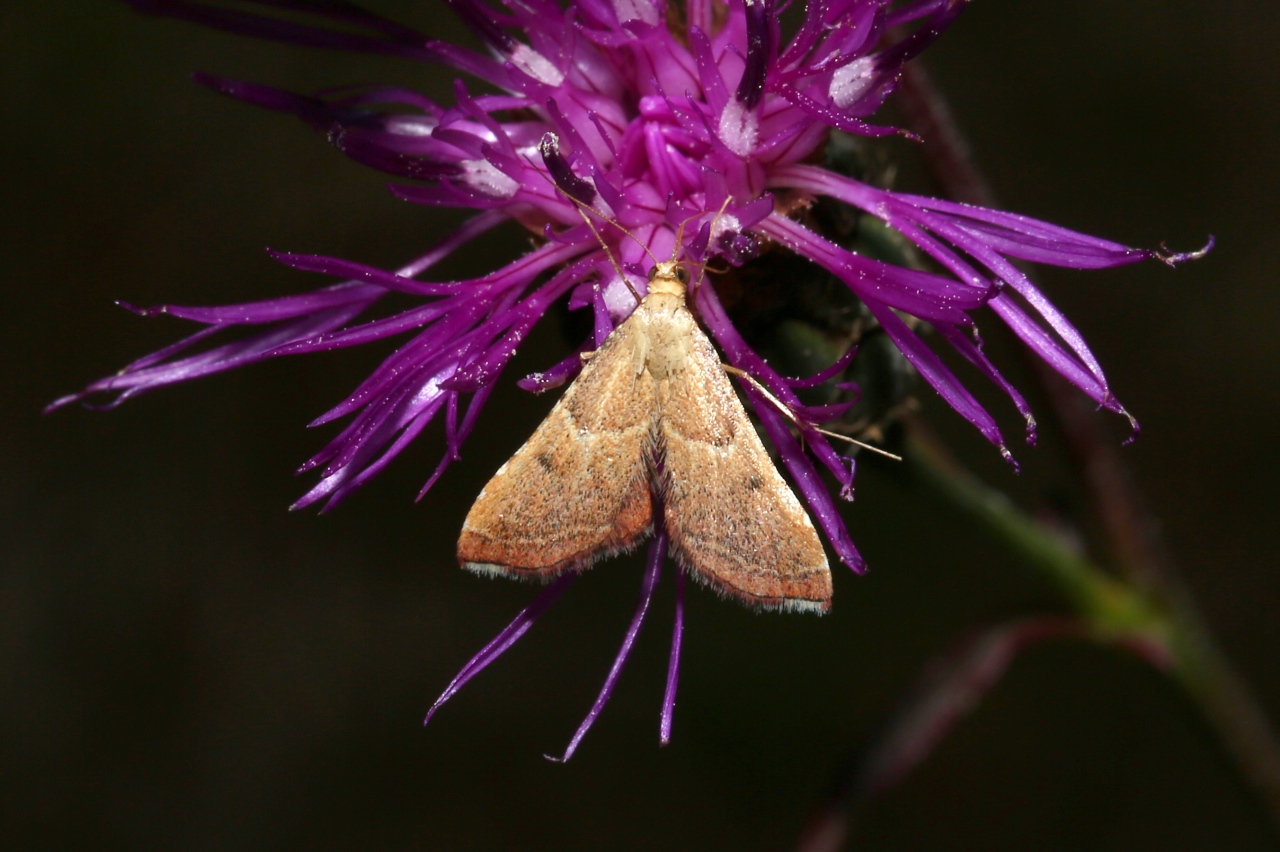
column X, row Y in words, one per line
column 1160, row 625
column 1147, row 600
column 1108, row 604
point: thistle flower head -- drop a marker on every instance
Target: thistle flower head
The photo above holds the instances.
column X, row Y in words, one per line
column 697, row 121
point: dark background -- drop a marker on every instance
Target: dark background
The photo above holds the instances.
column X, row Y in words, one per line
column 185, row 664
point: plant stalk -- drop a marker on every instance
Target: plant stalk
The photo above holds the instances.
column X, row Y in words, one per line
column 1147, row 596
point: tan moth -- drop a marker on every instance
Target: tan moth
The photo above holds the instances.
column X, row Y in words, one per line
column 651, row 422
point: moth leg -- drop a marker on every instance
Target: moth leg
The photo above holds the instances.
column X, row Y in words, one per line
column 802, row 425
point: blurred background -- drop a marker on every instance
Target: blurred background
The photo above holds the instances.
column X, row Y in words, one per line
column 186, row 665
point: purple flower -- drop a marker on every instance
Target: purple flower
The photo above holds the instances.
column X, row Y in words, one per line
column 653, row 115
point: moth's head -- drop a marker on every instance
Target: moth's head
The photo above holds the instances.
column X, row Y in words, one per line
column 670, row 277
column 673, row 276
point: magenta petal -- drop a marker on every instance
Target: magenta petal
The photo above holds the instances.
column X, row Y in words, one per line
column 657, row 551
column 1052, row 352
column 366, row 332
column 346, row 294
column 938, row 375
column 395, row 40
column 929, row 297
column 974, row 354
column 504, row 640
column 360, row 272
column 673, row 662
column 555, row 376
column 823, row 376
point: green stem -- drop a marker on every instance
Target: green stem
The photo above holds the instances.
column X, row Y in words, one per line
column 1111, row 607
column 1158, row 621
column 1150, row 590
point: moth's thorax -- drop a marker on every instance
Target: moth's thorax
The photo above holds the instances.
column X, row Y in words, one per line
column 665, row 328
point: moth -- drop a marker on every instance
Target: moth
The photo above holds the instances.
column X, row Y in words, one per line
column 651, row 423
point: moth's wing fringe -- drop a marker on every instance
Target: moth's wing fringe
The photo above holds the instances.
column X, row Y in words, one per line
column 754, row 602
column 546, row 575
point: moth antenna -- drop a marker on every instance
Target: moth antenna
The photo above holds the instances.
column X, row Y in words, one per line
column 583, row 210
column 702, row 267
column 791, row 415
column 675, row 249
column 612, row 261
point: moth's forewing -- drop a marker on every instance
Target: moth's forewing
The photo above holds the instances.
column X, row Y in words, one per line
column 732, row 519
column 578, row 490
